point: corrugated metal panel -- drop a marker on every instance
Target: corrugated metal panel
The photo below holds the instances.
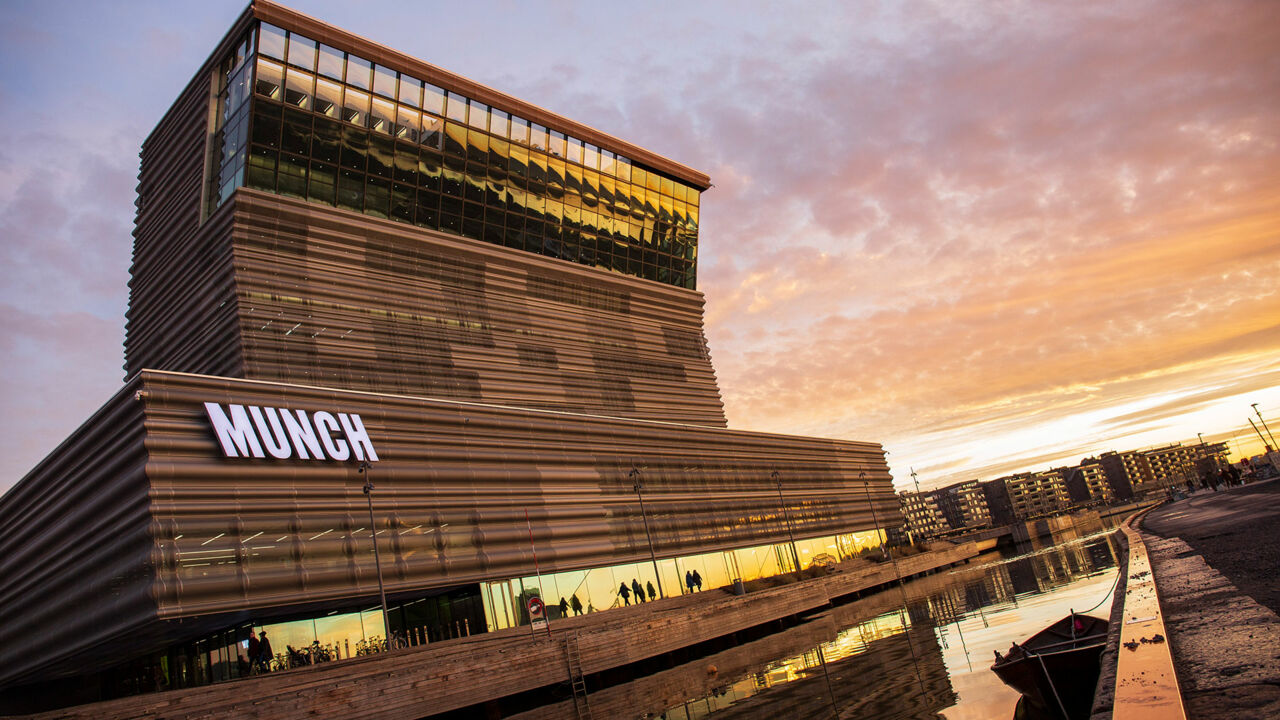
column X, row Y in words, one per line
column 453, row 483
column 338, row 299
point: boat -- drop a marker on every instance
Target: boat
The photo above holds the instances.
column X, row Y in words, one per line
column 1056, row 669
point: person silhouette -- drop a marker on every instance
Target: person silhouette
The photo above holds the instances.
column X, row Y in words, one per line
column 697, row 579
column 576, row 604
column 564, row 607
column 625, row 592
column 635, row 588
column 688, row 579
column 653, row 594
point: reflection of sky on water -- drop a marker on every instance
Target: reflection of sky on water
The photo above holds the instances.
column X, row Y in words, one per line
column 970, row 612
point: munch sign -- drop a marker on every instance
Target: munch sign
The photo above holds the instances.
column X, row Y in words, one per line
column 283, row 433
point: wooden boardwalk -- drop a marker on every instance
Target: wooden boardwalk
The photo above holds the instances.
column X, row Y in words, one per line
column 429, row 679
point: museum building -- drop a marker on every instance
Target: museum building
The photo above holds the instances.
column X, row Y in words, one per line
column 351, row 266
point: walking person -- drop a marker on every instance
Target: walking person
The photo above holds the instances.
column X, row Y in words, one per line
column 255, row 651
column 688, row 579
column 697, row 579
column 265, row 655
column 576, row 604
column 564, row 607
column 653, row 594
column 635, row 588
column 625, row 592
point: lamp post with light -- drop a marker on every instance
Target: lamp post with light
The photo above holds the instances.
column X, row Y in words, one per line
column 795, row 556
column 866, row 487
column 364, row 469
column 653, row 557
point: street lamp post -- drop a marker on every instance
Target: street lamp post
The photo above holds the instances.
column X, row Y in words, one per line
column 795, row 556
column 653, row 557
column 866, row 487
column 364, row 469
column 1264, row 425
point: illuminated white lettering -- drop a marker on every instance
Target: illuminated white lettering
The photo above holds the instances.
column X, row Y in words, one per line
column 302, row 434
column 357, row 436
column 235, row 434
column 274, row 436
column 335, row 448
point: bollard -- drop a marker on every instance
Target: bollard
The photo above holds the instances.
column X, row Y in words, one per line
column 466, row 623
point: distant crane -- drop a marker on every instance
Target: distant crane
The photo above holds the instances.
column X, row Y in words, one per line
column 916, row 479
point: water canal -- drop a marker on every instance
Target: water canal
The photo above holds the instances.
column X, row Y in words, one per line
column 880, row 658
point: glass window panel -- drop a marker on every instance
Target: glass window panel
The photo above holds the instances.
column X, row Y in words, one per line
column 652, row 181
column 638, row 176
column 262, row 169
column 623, row 169
column 555, row 178
column 351, row 190
column 402, row 201
column 266, row 126
column 427, row 213
column 410, row 91
column 432, row 99
column 271, row 41
column 519, row 132
column 457, row 108
column 383, row 117
column 355, row 107
column 302, row 52
column 406, row 164
column 377, row 197
column 328, row 97
column 450, row 205
column 574, row 152
column 296, row 137
column 432, row 131
column 298, row 88
column 607, row 164
column 667, row 187
column 359, row 72
column 477, row 149
column 606, row 192
column 591, row 156
column 590, row 189
column 326, row 143
column 408, row 123
column 429, row 170
column 380, row 155
column 293, row 176
column 384, row 81
column 556, row 145
column 518, row 161
column 455, row 140
column 330, row 62
column 451, row 179
column 537, row 137
column 270, row 79
column 478, row 115
column 355, row 147
column 498, row 123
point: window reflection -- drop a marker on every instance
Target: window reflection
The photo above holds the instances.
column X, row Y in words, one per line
column 531, row 186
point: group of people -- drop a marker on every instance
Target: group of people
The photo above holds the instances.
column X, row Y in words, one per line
column 693, row 580
column 260, row 655
column 1227, row 477
column 572, row 602
column 625, row 592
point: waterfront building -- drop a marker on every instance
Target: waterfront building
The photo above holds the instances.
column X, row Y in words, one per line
column 1128, row 473
column 922, row 515
column 965, row 505
column 1087, row 484
column 1034, row 494
column 354, row 271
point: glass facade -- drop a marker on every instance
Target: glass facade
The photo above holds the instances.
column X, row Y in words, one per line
column 330, row 127
column 581, row 592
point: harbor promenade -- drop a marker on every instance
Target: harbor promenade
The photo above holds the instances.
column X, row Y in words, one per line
column 487, row 674
column 1213, row 558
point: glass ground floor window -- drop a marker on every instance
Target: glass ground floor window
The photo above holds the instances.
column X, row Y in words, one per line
column 581, row 592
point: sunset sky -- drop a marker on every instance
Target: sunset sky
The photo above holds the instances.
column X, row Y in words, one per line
column 992, row 236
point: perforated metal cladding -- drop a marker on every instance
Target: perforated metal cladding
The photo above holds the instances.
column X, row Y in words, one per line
column 339, row 300
column 452, row 485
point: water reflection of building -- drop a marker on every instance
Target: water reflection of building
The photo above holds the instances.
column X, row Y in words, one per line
column 877, row 668
column 344, row 254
